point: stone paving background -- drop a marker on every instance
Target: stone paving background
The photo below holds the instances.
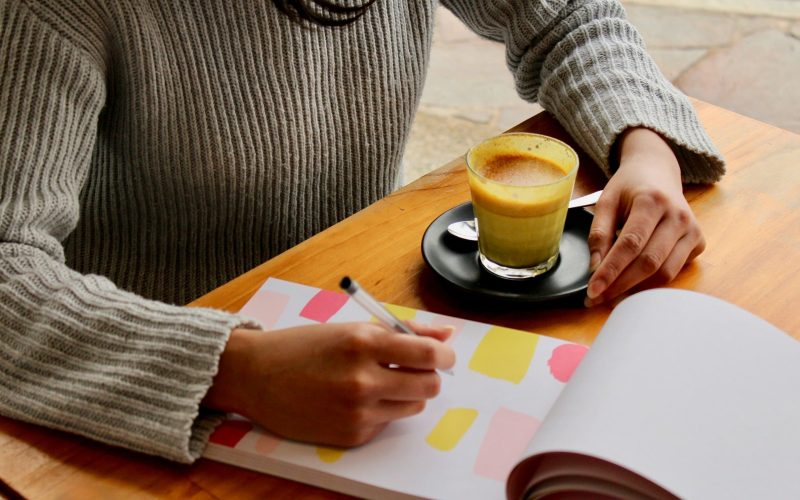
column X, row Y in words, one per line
column 743, row 55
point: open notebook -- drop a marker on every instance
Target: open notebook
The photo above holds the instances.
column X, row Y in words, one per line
column 681, row 394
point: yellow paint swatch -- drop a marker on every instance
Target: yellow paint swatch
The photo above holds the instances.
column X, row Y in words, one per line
column 329, row 455
column 451, row 428
column 402, row 313
column 504, row 353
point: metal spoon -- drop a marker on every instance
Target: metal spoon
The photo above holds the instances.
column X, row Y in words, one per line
column 465, row 229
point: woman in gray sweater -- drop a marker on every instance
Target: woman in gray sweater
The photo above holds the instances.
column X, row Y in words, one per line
column 152, row 150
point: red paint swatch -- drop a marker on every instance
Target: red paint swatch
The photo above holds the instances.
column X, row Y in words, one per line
column 230, row 432
column 323, row 305
column 565, row 359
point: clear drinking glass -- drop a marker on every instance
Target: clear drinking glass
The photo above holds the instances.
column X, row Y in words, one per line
column 521, row 184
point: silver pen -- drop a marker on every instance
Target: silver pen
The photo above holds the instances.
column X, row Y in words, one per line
column 377, row 309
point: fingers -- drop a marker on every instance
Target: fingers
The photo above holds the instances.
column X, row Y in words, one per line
column 367, row 350
column 348, row 436
column 440, row 333
column 331, row 383
column 604, row 226
column 363, row 425
column 418, row 353
column 387, row 411
column 686, row 250
column 404, row 385
column 646, row 213
column 673, row 243
column 650, row 261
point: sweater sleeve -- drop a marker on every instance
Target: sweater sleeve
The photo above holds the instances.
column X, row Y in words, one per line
column 585, row 63
column 77, row 353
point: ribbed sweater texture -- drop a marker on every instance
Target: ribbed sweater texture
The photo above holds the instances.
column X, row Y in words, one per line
column 151, row 150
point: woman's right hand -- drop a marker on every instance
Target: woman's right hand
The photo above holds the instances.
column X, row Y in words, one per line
column 329, row 384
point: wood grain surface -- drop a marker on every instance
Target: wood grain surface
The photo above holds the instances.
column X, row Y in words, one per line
column 751, row 220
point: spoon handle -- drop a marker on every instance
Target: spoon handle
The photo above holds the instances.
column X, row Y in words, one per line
column 585, row 201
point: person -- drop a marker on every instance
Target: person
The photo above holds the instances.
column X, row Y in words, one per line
column 151, row 151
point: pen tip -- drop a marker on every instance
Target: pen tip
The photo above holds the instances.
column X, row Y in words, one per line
column 345, row 283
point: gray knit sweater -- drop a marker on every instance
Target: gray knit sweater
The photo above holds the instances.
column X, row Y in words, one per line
column 151, row 150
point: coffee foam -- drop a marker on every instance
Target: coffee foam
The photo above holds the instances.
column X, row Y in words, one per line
column 521, row 170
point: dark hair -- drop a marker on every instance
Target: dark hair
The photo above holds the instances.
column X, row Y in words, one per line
column 324, row 12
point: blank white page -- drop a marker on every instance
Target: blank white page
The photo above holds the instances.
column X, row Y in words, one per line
column 693, row 393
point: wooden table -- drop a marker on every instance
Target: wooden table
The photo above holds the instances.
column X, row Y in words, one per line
column 751, row 221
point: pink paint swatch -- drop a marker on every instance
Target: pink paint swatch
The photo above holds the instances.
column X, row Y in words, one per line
column 266, row 307
column 508, row 435
column 266, row 443
column 565, row 359
column 324, row 305
column 230, row 432
column 459, row 324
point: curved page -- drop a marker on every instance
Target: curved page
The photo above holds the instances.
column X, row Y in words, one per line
column 688, row 391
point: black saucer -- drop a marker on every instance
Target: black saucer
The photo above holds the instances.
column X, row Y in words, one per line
column 456, row 261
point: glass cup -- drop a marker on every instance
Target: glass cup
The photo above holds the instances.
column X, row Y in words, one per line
column 521, row 184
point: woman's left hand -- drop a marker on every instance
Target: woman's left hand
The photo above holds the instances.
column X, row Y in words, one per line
column 659, row 231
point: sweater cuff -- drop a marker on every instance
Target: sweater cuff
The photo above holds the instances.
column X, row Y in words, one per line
column 674, row 118
column 206, row 420
column 597, row 92
column 82, row 356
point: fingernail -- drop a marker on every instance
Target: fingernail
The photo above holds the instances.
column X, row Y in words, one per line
column 449, row 328
column 587, row 302
column 596, row 287
column 594, row 261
